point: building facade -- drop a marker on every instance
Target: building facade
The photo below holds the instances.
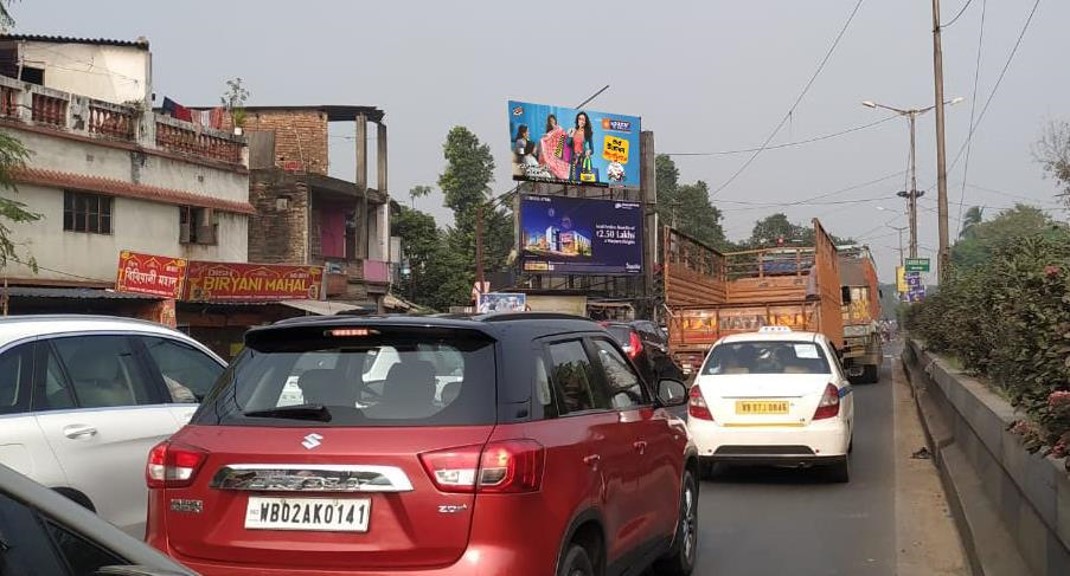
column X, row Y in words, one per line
column 303, row 215
column 107, row 174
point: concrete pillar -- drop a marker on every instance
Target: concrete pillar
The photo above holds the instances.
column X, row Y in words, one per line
column 362, row 186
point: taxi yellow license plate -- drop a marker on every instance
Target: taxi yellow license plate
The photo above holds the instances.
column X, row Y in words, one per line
column 761, row 407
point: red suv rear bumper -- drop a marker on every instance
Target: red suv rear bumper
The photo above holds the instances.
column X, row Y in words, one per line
column 477, row 561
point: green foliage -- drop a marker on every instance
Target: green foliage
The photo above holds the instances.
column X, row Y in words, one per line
column 775, row 229
column 1053, row 153
column 687, row 205
column 980, row 239
column 234, row 100
column 1008, row 318
column 424, row 247
column 7, row 21
column 13, row 155
column 443, row 262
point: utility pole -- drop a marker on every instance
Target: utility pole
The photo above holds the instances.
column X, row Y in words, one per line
column 941, row 152
column 900, row 230
column 479, row 247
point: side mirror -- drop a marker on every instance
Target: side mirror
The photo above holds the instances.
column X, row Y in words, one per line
column 672, row 393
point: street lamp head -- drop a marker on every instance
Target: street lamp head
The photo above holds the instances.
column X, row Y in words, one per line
column 956, row 100
column 869, row 104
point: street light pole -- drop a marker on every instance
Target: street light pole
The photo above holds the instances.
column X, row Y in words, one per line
column 941, row 152
column 900, row 230
column 913, row 186
column 913, row 194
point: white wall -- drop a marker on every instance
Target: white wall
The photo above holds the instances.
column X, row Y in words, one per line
column 116, row 74
column 76, row 157
column 137, row 225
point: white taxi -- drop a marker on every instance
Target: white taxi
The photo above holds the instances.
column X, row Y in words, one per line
column 773, row 397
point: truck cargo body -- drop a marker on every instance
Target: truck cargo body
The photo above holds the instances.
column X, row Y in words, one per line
column 709, row 295
column 863, row 351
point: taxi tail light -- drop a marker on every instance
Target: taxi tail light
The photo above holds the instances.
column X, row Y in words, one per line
column 829, row 407
column 696, row 404
column 172, row 465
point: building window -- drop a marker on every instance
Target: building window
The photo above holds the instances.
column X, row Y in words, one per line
column 86, row 212
column 196, row 225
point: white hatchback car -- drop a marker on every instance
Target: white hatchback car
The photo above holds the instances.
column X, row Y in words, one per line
column 774, row 397
column 83, row 399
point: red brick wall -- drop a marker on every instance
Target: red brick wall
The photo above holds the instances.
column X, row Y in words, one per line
column 278, row 236
column 299, row 136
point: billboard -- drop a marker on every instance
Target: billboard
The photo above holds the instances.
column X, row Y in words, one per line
column 501, row 302
column 224, row 281
column 557, row 144
column 148, row 274
column 562, row 235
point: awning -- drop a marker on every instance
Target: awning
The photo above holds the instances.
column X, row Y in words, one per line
column 321, row 307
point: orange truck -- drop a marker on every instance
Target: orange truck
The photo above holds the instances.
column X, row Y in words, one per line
column 862, row 351
column 709, row 294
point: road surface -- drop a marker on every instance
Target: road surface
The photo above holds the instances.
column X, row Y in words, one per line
column 770, row 521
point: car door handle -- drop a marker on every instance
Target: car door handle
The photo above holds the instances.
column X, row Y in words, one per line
column 640, row 446
column 592, row 460
column 75, row 431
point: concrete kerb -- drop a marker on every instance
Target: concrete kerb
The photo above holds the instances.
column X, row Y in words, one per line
column 995, row 488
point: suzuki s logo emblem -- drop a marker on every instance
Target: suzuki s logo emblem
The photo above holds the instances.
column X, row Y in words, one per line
column 312, row 441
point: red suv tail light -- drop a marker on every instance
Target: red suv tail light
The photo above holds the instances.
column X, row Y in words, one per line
column 172, row 465
column 510, row 466
column 635, row 345
column 830, row 404
column 696, row 404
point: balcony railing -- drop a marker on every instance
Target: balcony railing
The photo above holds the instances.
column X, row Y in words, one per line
column 186, row 138
column 33, row 104
column 50, row 110
column 111, row 120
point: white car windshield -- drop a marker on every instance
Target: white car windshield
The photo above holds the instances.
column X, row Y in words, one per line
column 766, row 357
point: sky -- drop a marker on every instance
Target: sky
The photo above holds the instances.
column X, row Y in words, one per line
column 704, row 75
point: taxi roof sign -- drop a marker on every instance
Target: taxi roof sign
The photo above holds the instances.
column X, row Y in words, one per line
column 773, row 329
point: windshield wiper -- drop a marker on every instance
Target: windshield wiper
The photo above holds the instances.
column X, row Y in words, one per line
column 317, row 412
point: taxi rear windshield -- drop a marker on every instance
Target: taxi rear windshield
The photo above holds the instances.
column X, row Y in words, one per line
column 766, row 358
column 348, row 376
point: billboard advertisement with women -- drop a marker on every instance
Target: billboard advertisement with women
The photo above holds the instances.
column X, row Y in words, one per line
column 561, row 235
column 557, row 144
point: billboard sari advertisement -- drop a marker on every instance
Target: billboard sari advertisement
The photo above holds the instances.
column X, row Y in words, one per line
column 563, row 235
column 565, row 145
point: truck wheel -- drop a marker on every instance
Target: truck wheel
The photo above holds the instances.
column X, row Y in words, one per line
column 871, row 374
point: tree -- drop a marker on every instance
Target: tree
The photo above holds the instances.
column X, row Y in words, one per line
column 984, row 238
column 419, row 192
column 6, row 20
column 974, row 216
column 775, row 230
column 465, row 183
column 13, row 156
column 687, row 207
column 1053, row 153
column 423, row 244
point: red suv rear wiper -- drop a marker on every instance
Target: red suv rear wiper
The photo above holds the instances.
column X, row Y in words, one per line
column 317, row 412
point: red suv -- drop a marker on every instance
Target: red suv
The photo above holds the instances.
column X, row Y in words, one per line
column 521, row 444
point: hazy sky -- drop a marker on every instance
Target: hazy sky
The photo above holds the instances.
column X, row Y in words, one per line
column 705, row 75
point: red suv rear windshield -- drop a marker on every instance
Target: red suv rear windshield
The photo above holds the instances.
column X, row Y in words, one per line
column 357, row 376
